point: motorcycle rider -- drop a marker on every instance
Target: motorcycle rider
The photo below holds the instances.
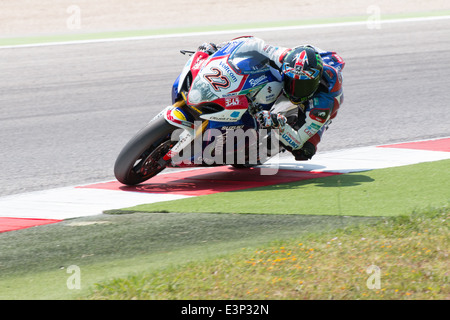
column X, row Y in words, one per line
column 311, row 79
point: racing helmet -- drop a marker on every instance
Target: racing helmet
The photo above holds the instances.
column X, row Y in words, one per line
column 302, row 70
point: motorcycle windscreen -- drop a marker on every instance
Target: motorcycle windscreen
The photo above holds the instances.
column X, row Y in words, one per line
column 246, row 62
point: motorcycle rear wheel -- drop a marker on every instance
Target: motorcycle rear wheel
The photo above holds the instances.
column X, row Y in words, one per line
column 139, row 159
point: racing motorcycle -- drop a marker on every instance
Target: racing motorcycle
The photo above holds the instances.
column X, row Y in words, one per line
column 212, row 117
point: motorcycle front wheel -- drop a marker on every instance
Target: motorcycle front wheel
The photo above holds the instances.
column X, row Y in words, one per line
column 140, row 158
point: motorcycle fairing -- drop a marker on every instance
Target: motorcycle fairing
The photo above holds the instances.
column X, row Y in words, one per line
column 190, row 70
column 217, row 90
column 233, row 70
column 233, row 109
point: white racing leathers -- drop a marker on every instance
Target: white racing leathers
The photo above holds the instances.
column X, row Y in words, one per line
column 321, row 108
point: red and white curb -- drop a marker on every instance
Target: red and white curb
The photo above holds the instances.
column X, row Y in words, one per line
column 49, row 206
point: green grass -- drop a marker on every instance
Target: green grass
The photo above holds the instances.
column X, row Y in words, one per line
column 410, row 252
column 162, row 255
column 383, row 192
column 34, row 261
column 12, row 41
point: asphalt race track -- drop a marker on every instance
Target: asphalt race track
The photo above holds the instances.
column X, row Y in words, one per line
column 66, row 111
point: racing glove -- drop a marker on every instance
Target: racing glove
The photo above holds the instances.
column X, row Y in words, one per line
column 209, row 48
column 271, row 120
column 296, row 140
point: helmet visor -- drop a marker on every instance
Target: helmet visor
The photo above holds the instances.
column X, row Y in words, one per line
column 299, row 90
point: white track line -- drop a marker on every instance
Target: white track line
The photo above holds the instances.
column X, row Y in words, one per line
column 72, row 202
column 238, row 31
column 363, row 159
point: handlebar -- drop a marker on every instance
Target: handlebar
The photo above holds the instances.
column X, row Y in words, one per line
column 188, row 52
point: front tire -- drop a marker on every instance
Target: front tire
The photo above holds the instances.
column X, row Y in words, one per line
column 138, row 160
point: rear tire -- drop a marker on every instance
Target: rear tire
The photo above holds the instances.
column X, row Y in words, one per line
column 138, row 160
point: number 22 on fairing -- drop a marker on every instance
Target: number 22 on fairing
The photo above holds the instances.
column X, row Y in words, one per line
column 214, row 77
